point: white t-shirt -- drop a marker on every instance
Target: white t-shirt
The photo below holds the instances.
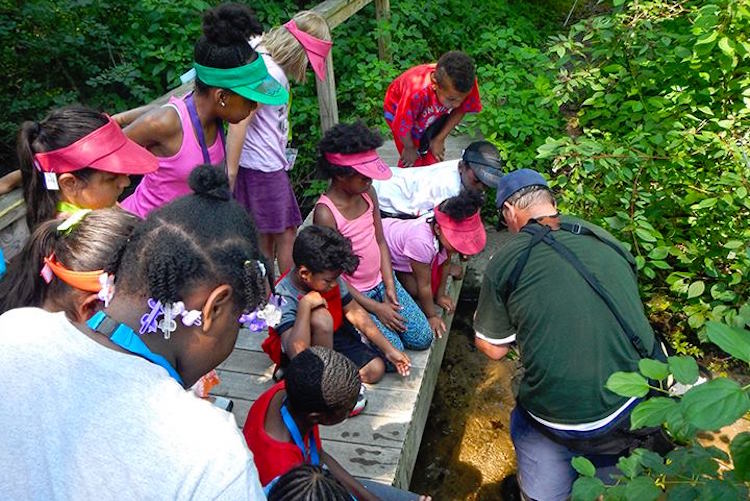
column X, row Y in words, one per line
column 82, row 421
column 417, row 190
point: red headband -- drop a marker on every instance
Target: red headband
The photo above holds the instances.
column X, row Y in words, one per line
column 107, row 149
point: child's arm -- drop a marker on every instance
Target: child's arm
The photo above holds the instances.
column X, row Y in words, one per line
column 10, row 181
column 125, row 118
column 443, row 300
column 159, row 131
column 437, row 145
column 423, row 275
column 360, row 319
column 235, row 140
column 352, row 484
column 298, row 338
column 386, row 268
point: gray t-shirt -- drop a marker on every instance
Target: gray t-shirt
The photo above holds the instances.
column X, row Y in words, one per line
column 82, row 421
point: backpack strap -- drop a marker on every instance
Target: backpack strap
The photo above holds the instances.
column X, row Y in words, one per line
column 579, row 229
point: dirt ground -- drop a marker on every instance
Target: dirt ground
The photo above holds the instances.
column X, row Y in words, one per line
column 466, row 451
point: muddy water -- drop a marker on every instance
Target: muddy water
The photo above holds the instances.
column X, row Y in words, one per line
column 466, row 452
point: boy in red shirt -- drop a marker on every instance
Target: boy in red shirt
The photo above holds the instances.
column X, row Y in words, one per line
column 320, row 388
column 425, row 103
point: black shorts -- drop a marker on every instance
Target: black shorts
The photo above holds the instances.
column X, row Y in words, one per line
column 346, row 340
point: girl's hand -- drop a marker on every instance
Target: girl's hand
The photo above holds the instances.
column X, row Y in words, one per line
column 400, row 360
column 312, row 300
column 437, row 325
column 391, row 296
column 388, row 314
column 445, row 302
column 409, row 156
column 437, row 147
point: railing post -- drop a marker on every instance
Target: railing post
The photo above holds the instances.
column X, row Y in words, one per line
column 383, row 13
column 329, row 109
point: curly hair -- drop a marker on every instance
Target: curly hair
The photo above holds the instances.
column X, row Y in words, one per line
column 458, row 67
column 319, row 248
column 200, row 239
column 308, row 483
column 322, row 380
column 224, row 43
column 463, row 205
column 346, row 138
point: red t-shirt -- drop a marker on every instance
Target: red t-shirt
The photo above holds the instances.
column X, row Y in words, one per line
column 272, row 458
column 411, row 104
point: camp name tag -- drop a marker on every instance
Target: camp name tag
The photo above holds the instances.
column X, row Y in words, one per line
column 50, row 181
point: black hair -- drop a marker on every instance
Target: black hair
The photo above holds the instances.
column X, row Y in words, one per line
column 320, row 248
column 62, row 127
column 224, row 43
column 201, row 239
column 92, row 244
column 457, row 66
column 463, row 205
column 308, row 483
column 346, row 138
column 488, row 151
column 321, row 380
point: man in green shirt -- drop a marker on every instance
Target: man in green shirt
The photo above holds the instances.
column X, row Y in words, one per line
column 572, row 335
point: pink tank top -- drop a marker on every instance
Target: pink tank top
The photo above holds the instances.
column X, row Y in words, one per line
column 170, row 179
column 361, row 232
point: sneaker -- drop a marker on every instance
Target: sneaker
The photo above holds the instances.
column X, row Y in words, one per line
column 361, row 402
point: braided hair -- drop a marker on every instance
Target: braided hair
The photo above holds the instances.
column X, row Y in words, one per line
column 200, row 239
column 346, row 138
column 92, row 244
column 322, row 380
column 308, row 483
column 319, row 248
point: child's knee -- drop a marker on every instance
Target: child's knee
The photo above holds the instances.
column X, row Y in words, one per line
column 372, row 371
column 321, row 328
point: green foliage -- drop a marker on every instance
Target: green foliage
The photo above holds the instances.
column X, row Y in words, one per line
column 691, row 470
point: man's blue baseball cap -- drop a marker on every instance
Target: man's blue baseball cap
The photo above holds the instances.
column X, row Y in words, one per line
column 517, row 180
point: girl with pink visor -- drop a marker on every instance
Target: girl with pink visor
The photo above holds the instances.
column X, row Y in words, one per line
column 350, row 205
column 257, row 154
column 76, row 158
column 416, row 245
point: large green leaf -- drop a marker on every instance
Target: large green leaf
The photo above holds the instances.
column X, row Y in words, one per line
column 650, row 459
column 717, row 490
column 583, row 466
column 587, row 489
column 714, row 404
column 642, row 489
column 630, row 466
column 684, row 369
column 652, row 412
column 682, row 492
column 740, row 450
column 734, row 341
column 696, row 289
column 653, row 369
column 627, row 384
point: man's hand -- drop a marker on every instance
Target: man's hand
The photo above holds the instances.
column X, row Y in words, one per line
column 400, row 360
column 388, row 314
column 437, row 325
column 437, row 147
column 445, row 302
column 312, row 300
column 409, row 155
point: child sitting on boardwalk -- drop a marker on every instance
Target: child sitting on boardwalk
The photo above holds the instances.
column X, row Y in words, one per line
column 317, row 308
column 350, row 205
column 320, row 388
column 416, row 245
column 425, row 103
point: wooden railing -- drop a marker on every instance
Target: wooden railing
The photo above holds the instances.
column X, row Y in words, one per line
column 336, row 12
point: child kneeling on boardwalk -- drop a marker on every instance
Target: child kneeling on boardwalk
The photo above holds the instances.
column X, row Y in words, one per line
column 320, row 388
column 317, row 308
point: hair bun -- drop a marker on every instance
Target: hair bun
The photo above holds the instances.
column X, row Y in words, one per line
column 230, row 24
column 210, row 181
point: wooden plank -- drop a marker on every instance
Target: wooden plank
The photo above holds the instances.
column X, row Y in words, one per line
column 366, row 461
column 248, row 362
column 383, row 13
column 12, row 207
column 329, row 108
column 337, row 11
column 250, row 340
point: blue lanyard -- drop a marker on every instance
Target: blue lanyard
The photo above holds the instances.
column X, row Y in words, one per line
column 190, row 104
column 313, row 458
column 124, row 337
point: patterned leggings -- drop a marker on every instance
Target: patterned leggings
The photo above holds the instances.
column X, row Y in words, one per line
column 418, row 334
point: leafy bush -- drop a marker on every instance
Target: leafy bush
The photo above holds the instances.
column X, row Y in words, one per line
column 691, row 471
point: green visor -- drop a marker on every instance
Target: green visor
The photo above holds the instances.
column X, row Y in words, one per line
column 250, row 81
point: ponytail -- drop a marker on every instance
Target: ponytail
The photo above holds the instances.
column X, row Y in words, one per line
column 41, row 203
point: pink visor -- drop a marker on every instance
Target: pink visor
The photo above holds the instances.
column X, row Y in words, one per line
column 315, row 48
column 107, row 149
column 367, row 163
column 467, row 237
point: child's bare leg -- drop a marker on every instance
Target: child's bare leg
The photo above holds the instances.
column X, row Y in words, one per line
column 372, row 371
column 321, row 328
column 284, row 243
column 266, row 246
column 409, row 282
